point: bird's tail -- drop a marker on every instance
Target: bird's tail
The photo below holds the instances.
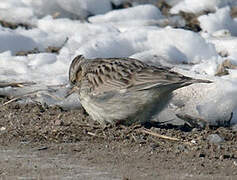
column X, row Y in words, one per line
column 194, row 81
column 200, row 81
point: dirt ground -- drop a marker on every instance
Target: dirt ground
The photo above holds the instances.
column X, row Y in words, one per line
column 40, row 142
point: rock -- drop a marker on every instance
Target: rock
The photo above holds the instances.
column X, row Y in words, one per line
column 224, row 156
column 215, row 139
column 2, row 129
column 202, row 155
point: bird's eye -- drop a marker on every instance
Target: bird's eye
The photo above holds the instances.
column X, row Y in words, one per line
column 73, row 81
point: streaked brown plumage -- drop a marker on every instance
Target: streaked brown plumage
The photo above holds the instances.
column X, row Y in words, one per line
column 123, row 90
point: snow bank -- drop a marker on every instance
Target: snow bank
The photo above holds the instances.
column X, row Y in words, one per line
column 197, row 6
column 15, row 42
column 141, row 12
column 220, row 20
column 19, row 11
column 191, row 45
column 28, row 10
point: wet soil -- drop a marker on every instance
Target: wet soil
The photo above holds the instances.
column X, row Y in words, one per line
column 48, row 142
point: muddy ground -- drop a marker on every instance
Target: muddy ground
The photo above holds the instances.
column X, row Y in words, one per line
column 40, row 142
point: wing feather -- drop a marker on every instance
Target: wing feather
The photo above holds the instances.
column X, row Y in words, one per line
column 128, row 74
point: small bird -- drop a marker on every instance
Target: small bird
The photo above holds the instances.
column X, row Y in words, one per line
column 123, row 90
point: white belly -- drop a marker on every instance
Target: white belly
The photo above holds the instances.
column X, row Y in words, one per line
column 127, row 106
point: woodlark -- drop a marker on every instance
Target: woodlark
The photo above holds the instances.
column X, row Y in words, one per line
column 123, row 90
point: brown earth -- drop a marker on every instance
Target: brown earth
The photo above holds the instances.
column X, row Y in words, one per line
column 40, row 142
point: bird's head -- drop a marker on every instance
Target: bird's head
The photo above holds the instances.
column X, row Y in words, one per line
column 75, row 70
column 75, row 74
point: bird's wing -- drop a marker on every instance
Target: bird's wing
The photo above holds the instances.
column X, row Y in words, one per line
column 157, row 77
column 128, row 74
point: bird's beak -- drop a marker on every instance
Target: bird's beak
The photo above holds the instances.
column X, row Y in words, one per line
column 72, row 89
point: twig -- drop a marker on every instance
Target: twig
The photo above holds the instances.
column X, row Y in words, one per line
column 16, row 98
column 159, row 135
column 12, row 100
column 88, row 125
column 15, row 84
column 93, row 134
column 134, row 138
column 28, row 94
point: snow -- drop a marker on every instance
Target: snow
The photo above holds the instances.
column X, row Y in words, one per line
column 197, row 6
column 225, row 45
column 139, row 32
column 217, row 21
column 89, row 7
column 142, row 12
column 183, row 41
column 15, row 42
column 20, row 12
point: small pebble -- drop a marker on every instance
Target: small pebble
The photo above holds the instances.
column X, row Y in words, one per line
column 235, row 163
column 224, row 156
column 2, row 129
column 215, row 139
column 58, row 122
column 202, row 155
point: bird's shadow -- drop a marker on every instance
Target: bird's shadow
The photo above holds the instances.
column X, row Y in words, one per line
column 166, row 125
